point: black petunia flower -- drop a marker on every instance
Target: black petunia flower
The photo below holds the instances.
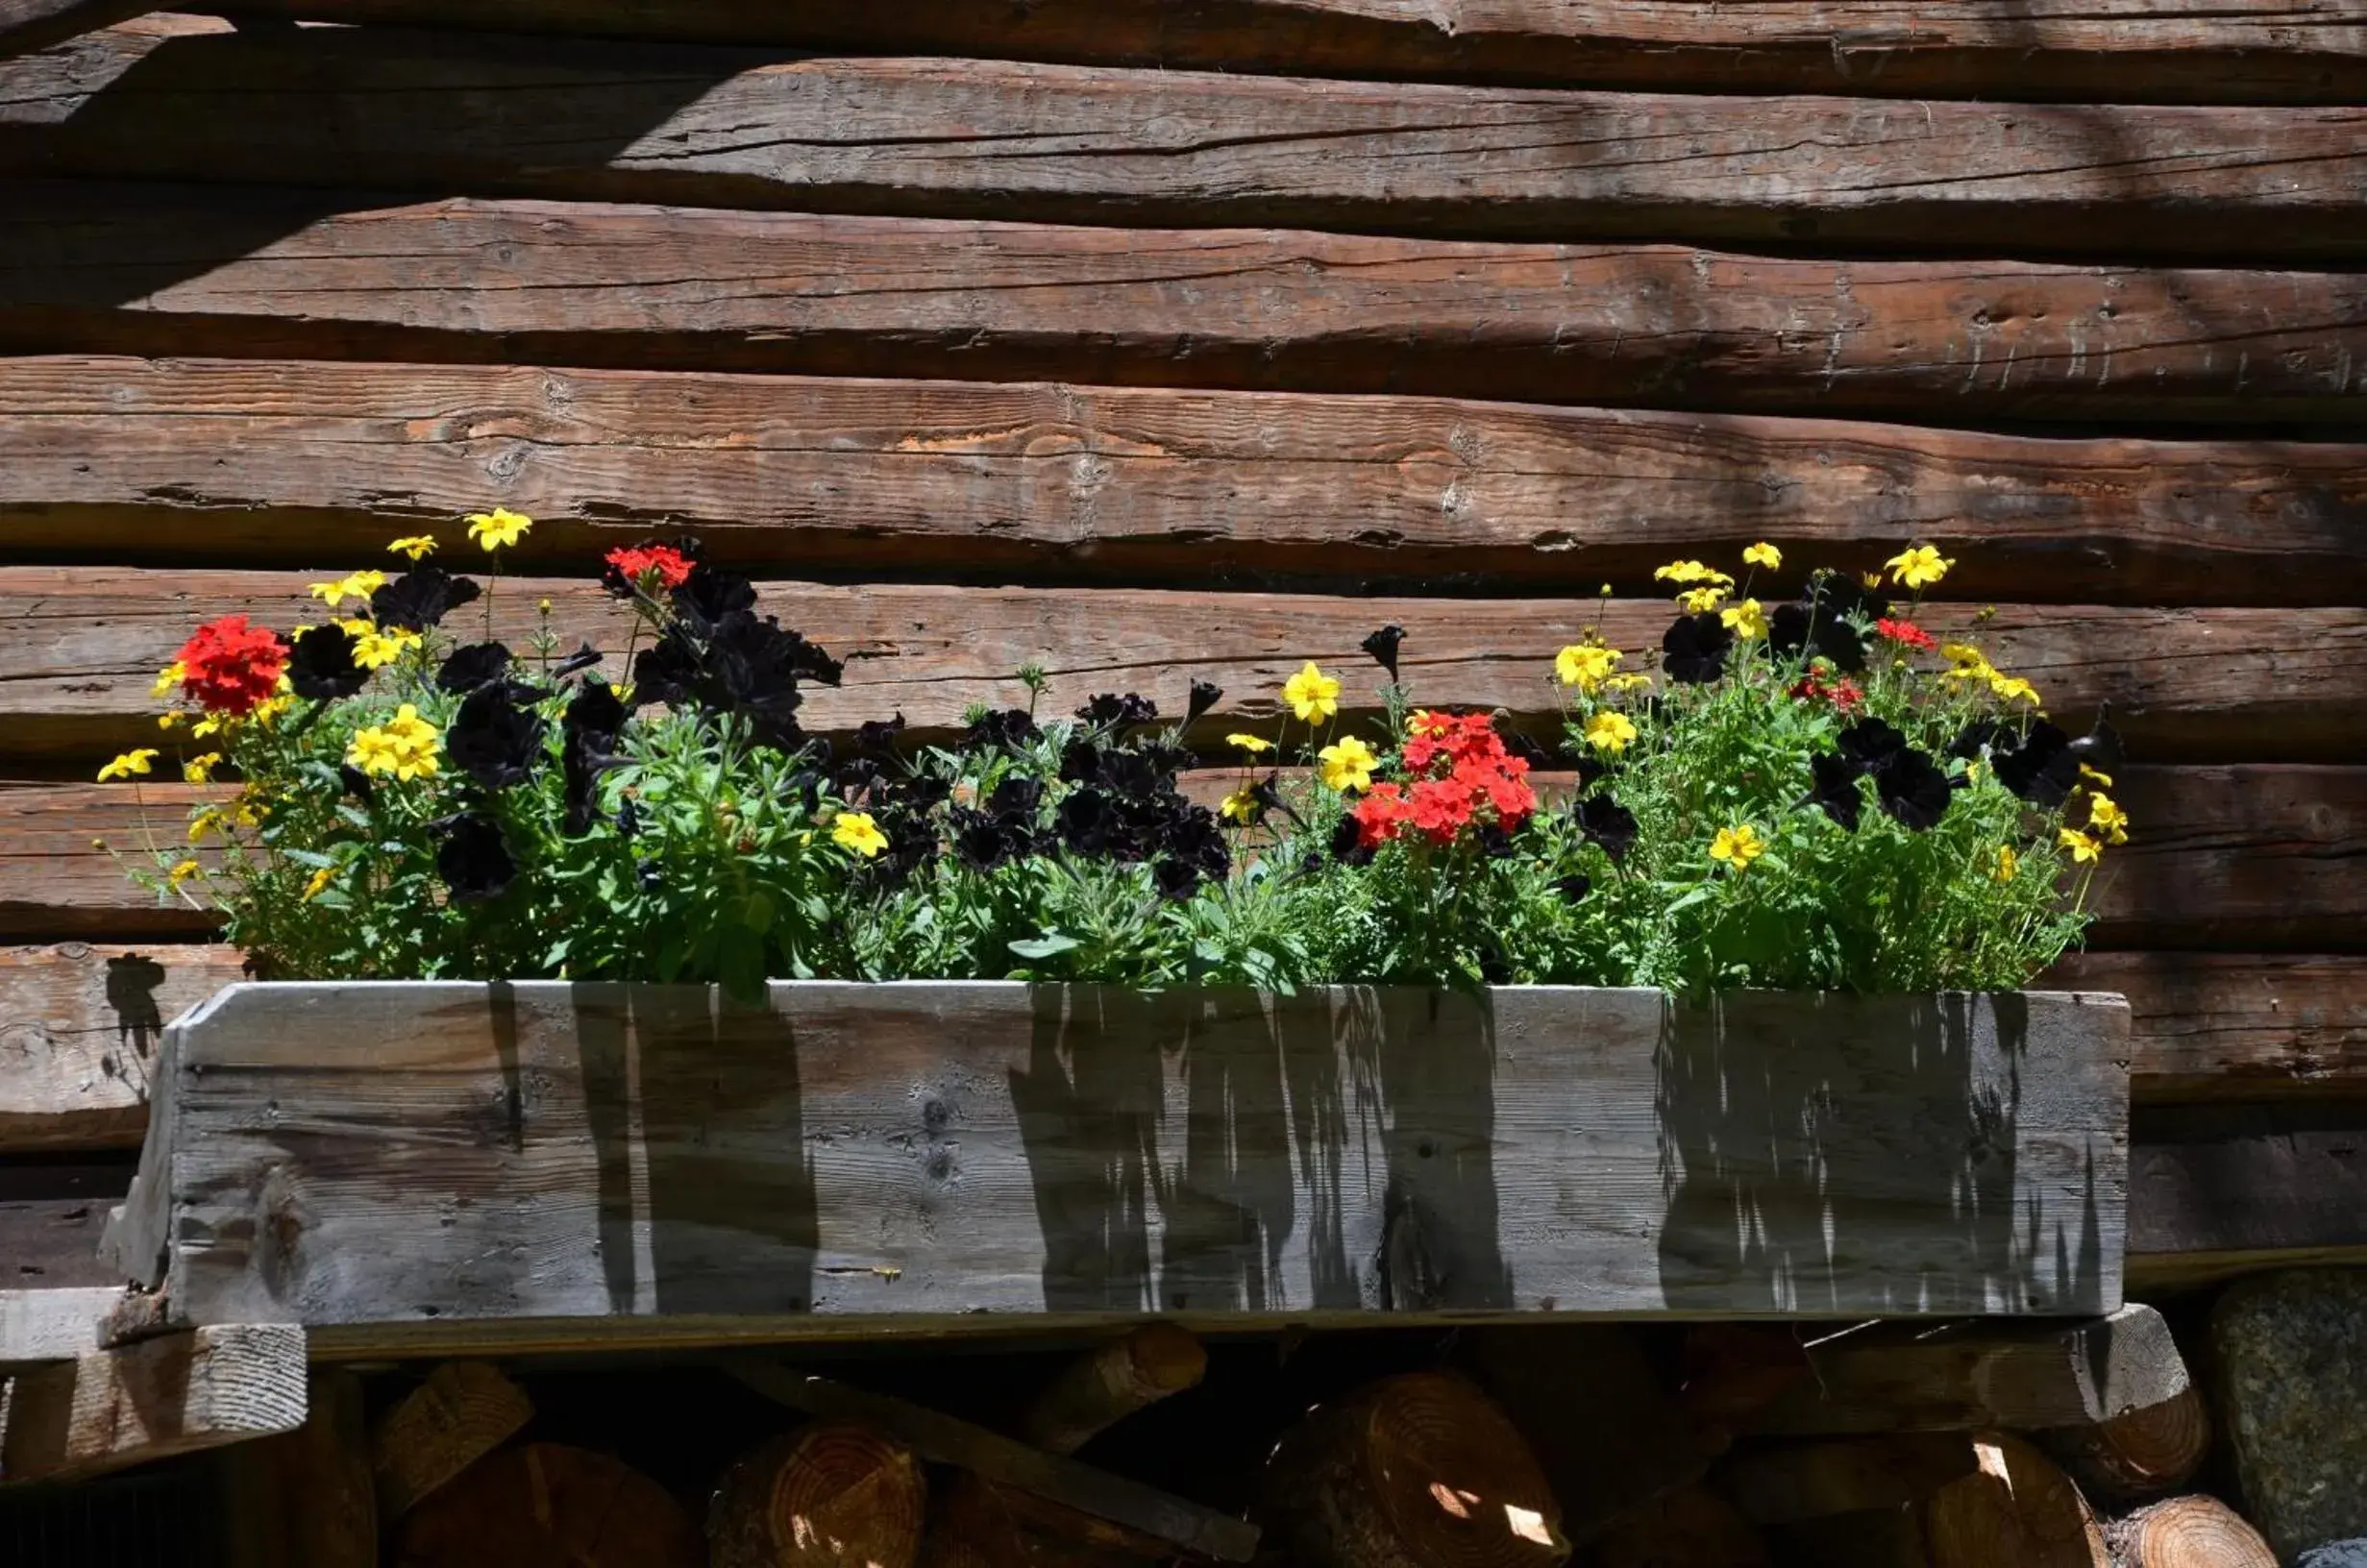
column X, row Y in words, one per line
column 2041, row 769
column 1347, row 844
column 877, row 737
column 474, row 859
column 467, row 669
column 582, row 759
column 1017, row 796
column 597, row 711
column 1573, row 888
column 1978, row 737
column 919, row 791
column 1822, row 624
column 1175, row 880
column 1109, row 708
column 1913, row 789
column 1131, row 773
column 493, row 740
column 420, row 598
column 1869, row 743
column 1008, row 728
column 710, row 594
column 1836, row 792
column 357, row 783
column 1383, row 646
column 1087, row 820
column 1609, row 824
column 1193, row 835
column 321, row 667
column 983, row 842
column 2100, row 747
column 1694, row 650
column 1081, row 762
column 1205, row 694
column 581, row 659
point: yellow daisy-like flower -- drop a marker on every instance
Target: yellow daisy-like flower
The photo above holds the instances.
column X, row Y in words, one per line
column 403, row 747
column 1627, row 684
column 1585, row 666
column 169, row 678
column 2105, row 816
column 375, row 650
column 2012, row 688
column 1738, row 846
column 1969, row 663
column 358, row 585
column 1346, row 765
column 265, row 711
column 498, row 528
column 2090, row 773
column 318, row 883
column 857, row 831
column 168, row 720
column 1917, row 567
column 1764, row 554
column 1610, row 732
column 2008, row 864
column 1241, row 806
column 181, row 873
column 412, row 546
column 1684, row 572
column 2086, row 851
column 130, row 764
column 1312, row 693
column 1695, row 600
column 1746, row 619
column 1253, row 744
column 199, row 770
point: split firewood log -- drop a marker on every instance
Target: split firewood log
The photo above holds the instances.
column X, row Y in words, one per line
column 2186, row 1533
column 544, row 1506
column 1416, row 1471
column 1104, row 1386
column 2140, row 1455
column 976, row 1524
column 463, row 1412
column 829, row 1495
column 1691, row 1527
column 2017, row 1507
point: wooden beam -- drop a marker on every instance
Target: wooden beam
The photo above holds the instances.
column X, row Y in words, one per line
column 2219, row 1189
column 52, row 1213
column 30, row 25
column 125, row 460
column 84, row 1023
column 171, row 272
column 2046, row 50
column 187, row 99
column 2223, row 1026
column 301, row 1500
column 52, row 1325
column 1964, row 1376
column 111, row 1409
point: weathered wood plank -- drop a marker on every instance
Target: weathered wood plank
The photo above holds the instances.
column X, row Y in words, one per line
column 160, row 270
column 2048, row 50
column 178, row 98
column 82, row 647
column 114, row 1409
column 29, row 25
column 932, row 1150
column 81, row 1030
column 2242, row 859
column 312, row 464
column 52, row 1325
column 52, row 1213
column 2226, row 1189
column 2223, row 1026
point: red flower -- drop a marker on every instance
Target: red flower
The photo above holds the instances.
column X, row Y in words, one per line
column 633, row 564
column 229, row 667
column 1904, row 632
column 1845, row 695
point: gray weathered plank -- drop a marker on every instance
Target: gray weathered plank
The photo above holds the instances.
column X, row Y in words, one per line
column 79, row 1030
column 52, row 1325
column 360, row 1156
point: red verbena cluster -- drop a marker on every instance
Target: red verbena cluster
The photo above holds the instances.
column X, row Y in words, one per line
column 1905, row 631
column 1844, row 694
column 229, row 667
column 1459, row 775
column 634, row 563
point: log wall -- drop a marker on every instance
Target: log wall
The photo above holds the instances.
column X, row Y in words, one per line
column 1117, row 332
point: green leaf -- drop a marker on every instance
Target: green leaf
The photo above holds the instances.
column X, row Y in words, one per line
column 1052, row 944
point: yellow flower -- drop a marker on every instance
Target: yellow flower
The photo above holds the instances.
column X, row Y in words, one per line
column 1746, row 619
column 318, row 883
column 2008, row 864
column 1610, row 732
column 375, row 650
column 1872, row 579
column 1918, row 566
column 1241, row 806
column 200, row 770
column 1312, row 693
column 413, row 545
column 2105, row 816
column 1764, row 554
column 1695, row 600
column 2012, row 688
column 1251, row 743
column 359, row 585
column 857, row 831
column 167, row 721
column 2084, row 849
column 265, row 711
column 1970, row 663
column 405, row 746
column 129, row 763
column 169, row 678
column 1626, row 683
column 1345, row 764
column 1585, row 666
column 181, row 873
column 497, row 528
column 1738, row 846
column 2088, row 772
column 1682, row 572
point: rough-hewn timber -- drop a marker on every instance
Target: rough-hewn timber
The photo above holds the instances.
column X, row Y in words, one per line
column 2221, row 1026
column 110, row 1408
column 315, row 465
column 2045, row 50
column 28, row 25
column 79, row 1030
column 936, row 1149
column 159, row 270
column 180, row 98
column 2227, row 1189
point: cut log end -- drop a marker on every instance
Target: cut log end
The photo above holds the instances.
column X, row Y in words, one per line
column 830, row 1494
column 463, row 1412
column 2017, row 1507
column 544, row 1506
column 2186, row 1533
column 2142, row 1454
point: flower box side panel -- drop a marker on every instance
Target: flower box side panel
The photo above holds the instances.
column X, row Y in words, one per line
column 350, row 1154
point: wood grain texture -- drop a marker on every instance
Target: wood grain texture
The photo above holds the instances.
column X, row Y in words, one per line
column 79, row 1030
column 301, row 1500
column 484, row 115
column 53, row 1210
column 2222, row 1026
column 2049, row 50
column 109, row 1409
column 605, row 1154
column 161, row 270
column 309, row 464
column 52, row 1325
column 463, row 1412
column 29, row 25
column 2219, row 1181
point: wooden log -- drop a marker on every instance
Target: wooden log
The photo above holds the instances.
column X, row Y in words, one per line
column 164, row 271
column 2136, row 1454
column 978, row 1523
column 2233, row 1188
column 100, row 457
column 2186, row 1533
column 2214, row 1026
column 30, row 25
column 1416, row 1471
column 81, row 1038
column 463, row 1412
column 832, row 1494
column 1776, row 1484
column 112, row 1408
column 187, row 99
column 51, row 1325
column 52, row 1211
column 2017, row 1509
column 303, row 1499
column 1184, row 1525
column 1905, row 1378
column 1691, row 1527
column 1956, row 48
column 1111, row 1382
column 544, row 1506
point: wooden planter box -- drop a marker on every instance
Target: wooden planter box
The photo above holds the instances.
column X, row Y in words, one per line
column 390, row 1162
